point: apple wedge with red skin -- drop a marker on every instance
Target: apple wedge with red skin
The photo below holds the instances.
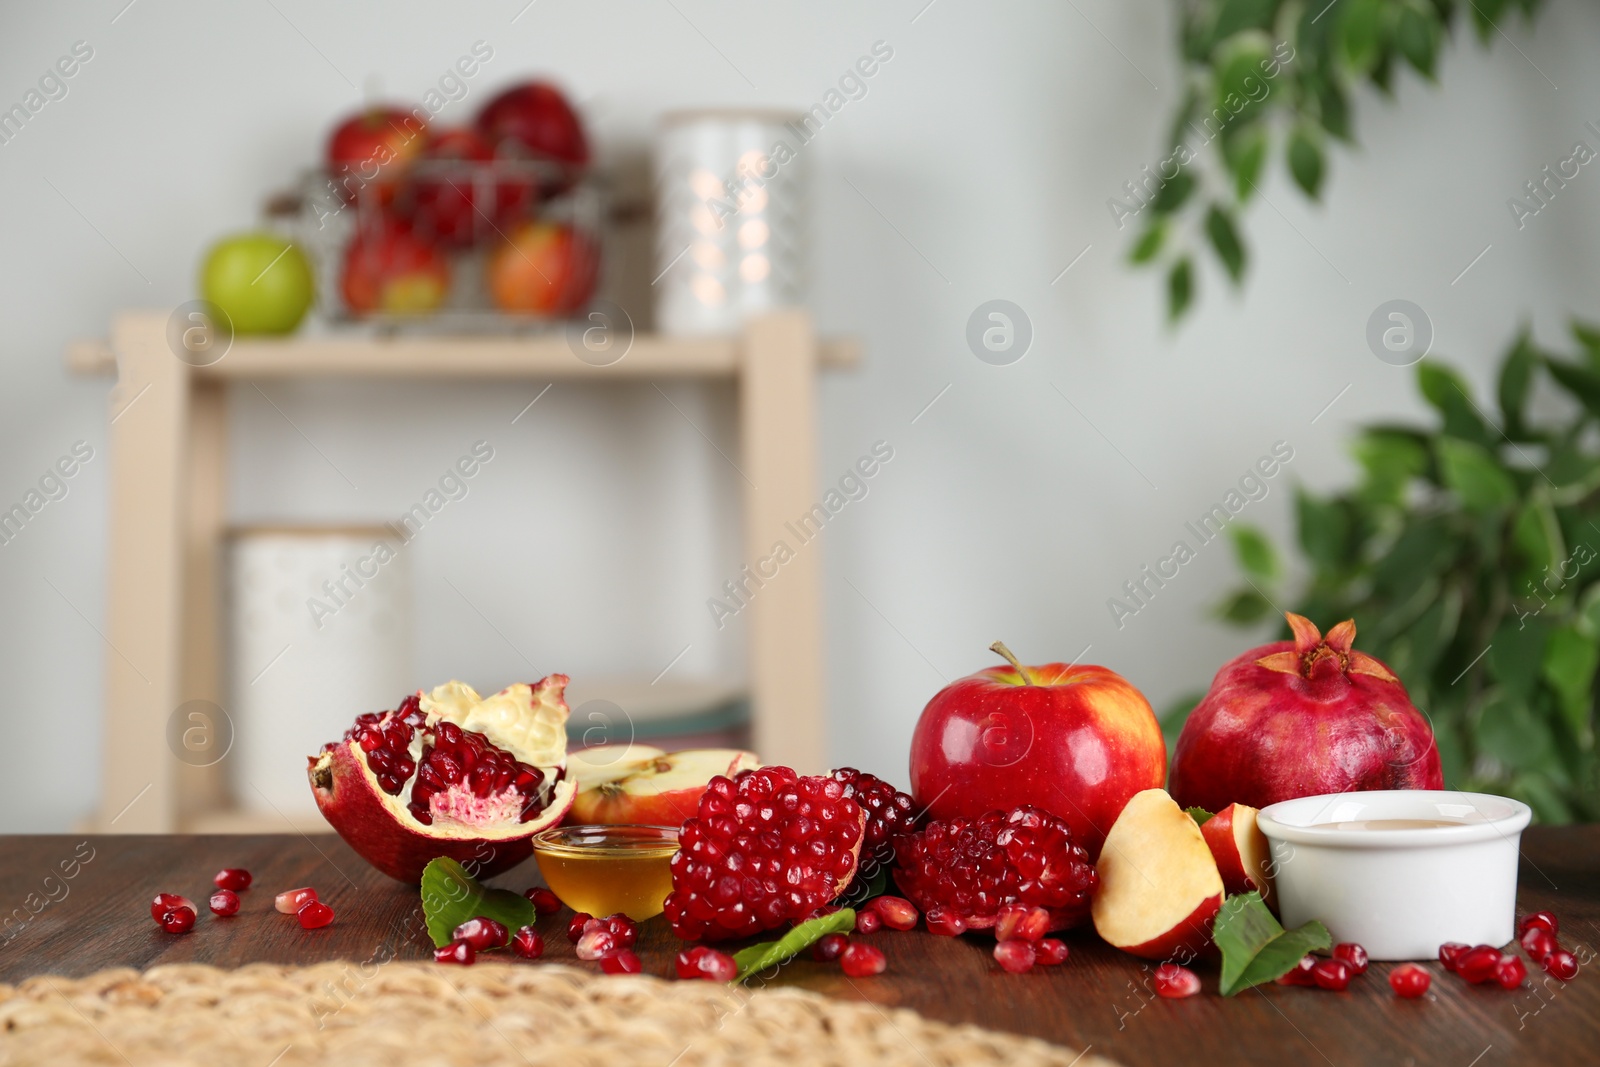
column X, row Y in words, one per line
column 1240, row 848
column 599, row 764
column 661, row 791
column 1159, row 886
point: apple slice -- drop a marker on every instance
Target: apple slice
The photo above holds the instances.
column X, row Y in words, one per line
column 589, row 767
column 1159, row 887
column 1240, row 848
column 661, row 791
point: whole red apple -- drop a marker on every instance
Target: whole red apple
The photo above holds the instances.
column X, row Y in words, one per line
column 534, row 121
column 457, row 195
column 543, row 268
column 369, row 153
column 1075, row 740
column 1301, row 718
column 387, row 269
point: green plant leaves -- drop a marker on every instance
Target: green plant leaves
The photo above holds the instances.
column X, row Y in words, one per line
column 1149, row 243
column 1245, row 152
column 1361, row 32
column 1225, row 240
column 1474, row 475
column 451, row 896
column 1305, row 160
column 1448, row 392
column 1516, row 379
column 758, row 958
column 1255, row 553
column 1255, row 947
column 1582, row 383
column 1417, row 33
column 1180, row 288
column 1569, row 664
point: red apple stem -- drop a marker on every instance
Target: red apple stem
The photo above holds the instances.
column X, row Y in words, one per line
column 999, row 647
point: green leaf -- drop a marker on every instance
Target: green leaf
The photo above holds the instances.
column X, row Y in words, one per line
column 1417, row 36
column 1569, row 664
column 1361, row 31
column 758, row 958
column 1305, row 160
column 1324, row 530
column 1245, row 150
column 1244, row 607
column 1536, row 541
column 1242, row 87
column 1589, row 337
column 1199, row 815
column 1254, row 947
column 1516, row 655
column 1579, row 381
column 1392, row 461
column 1511, row 733
column 1236, row 15
column 1173, row 193
column 451, row 896
column 862, row 889
column 1447, row 391
column 1474, row 475
column 1149, row 242
column 1255, row 553
column 1516, row 378
column 1333, row 110
column 1180, row 288
column 1225, row 239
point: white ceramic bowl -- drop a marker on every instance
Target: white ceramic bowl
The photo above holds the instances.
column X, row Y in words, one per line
column 1400, row 893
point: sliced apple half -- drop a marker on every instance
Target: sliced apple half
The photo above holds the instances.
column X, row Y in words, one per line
column 1159, row 886
column 664, row 790
column 589, row 767
column 1240, row 848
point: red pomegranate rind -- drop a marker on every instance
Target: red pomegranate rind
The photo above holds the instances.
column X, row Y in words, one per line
column 974, row 867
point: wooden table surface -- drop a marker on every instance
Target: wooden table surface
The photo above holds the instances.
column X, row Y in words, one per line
column 99, row 917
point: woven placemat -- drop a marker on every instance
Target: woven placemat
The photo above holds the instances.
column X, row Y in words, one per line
column 487, row 1015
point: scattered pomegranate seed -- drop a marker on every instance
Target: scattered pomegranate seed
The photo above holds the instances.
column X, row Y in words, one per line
column 829, row 947
column 165, row 902
column 862, row 961
column 1050, row 952
column 1300, row 974
column 176, row 920
column 868, row 922
column 946, row 922
column 481, row 932
column 707, row 963
column 596, row 944
column 1175, row 982
column 1561, row 964
column 1510, row 972
column 455, row 952
column 1478, row 964
column 234, row 878
column 1450, row 953
column 225, row 902
column 897, row 913
column 1332, row 974
column 1409, row 981
column 1353, row 954
column 528, row 943
column 545, row 903
column 290, row 901
column 623, row 961
column 1020, row 922
column 314, row 916
column 575, row 927
column 622, row 929
column 1542, row 920
column 1015, row 956
column 1538, row 943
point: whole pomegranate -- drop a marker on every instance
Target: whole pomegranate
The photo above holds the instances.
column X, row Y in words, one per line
column 1302, row 718
column 449, row 773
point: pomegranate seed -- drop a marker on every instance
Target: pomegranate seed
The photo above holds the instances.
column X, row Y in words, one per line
column 1019, row 922
column 707, row 963
column 1538, row 943
column 528, row 943
column 290, row 901
column 868, row 922
column 545, row 903
column 1175, row 982
column 1332, row 974
column 314, row 916
column 1450, row 953
column 1542, row 920
column 1561, row 964
column 862, row 961
column 165, row 902
column 225, row 902
column 1050, row 952
column 946, row 922
column 1015, row 956
column 1409, row 981
column 1510, row 972
column 596, row 944
column 575, row 927
column 623, row 961
column 1478, row 963
column 889, row 812
column 234, row 878
column 1300, row 974
column 481, row 932
column 897, row 912
column 455, row 952
column 1353, row 954
column 622, row 929
column 829, row 947
column 176, row 920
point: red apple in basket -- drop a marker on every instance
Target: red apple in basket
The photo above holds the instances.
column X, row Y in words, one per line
column 534, row 121
column 661, row 791
column 457, row 197
column 543, row 268
column 1075, row 740
column 387, row 269
column 1159, row 888
column 1240, row 848
column 369, row 153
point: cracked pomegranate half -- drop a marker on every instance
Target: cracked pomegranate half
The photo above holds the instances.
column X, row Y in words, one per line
column 449, row 773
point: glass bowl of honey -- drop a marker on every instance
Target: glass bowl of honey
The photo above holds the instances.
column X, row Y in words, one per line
column 604, row 870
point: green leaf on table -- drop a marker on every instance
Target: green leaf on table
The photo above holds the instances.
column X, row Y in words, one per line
column 758, row 958
column 1254, row 947
column 1180, row 288
column 1255, row 553
column 451, row 896
column 1305, row 161
column 1225, row 239
column 1476, row 477
column 1199, row 815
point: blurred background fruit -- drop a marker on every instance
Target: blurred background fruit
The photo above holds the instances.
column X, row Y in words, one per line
column 370, row 152
column 261, row 280
column 388, row 269
column 534, row 121
column 543, row 268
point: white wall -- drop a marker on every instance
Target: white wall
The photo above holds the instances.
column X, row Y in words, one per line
column 991, row 142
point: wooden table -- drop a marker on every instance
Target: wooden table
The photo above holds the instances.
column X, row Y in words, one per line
column 100, row 918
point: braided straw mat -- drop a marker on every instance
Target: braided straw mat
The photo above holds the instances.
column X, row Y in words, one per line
column 401, row 1014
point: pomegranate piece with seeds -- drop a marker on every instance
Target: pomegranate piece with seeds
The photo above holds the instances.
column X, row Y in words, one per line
column 165, row 902
column 945, row 922
column 862, row 961
column 1450, row 953
column 623, row 961
column 974, row 867
column 576, row 926
column 765, row 848
column 868, row 921
column 707, row 963
column 1353, row 954
column 1334, row 974
column 596, row 944
column 1050, row 952
column 1478, row 964
column 224, row 902
column 1510, row 972
column 1410, row 981
column 528, row 943
column 829, row 947
column 1542, row 920
column 455, row 952
column 178, row 920
column 449, row 773
column 1538, row 943
column 481, row 932
column 897, row 913
column 545, row 903
column 314, row 916
column 1561, row 964
column 1019, row 922
column 1175, row 982
column 290, row 901
column 1300, row 974
column 234, row 878
column 1015, row 956
column 889, row 813
column 623, row 930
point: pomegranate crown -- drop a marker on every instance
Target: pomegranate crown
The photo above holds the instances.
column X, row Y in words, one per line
column 1316, row 656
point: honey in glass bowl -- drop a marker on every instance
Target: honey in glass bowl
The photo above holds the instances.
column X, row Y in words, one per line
column 604, row 870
